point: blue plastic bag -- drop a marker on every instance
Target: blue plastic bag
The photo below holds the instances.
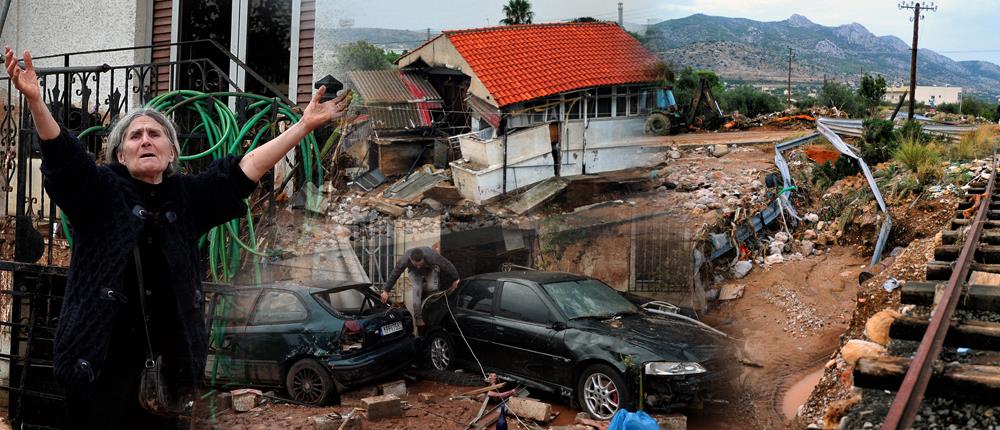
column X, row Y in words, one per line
column 625, row 420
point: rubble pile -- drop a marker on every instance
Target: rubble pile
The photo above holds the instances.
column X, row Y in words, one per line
column 801, row 320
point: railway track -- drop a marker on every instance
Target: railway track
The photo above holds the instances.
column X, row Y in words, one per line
column 960, row 306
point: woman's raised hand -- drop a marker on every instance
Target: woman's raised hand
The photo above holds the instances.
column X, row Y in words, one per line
column 26, row 81
column 317, row 114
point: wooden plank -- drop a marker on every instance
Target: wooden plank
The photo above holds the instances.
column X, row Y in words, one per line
column 984, row 253
column 980, row 384
column 941, row 270
column 983, row 278
column 978, row 297
column 971, row 334
column 482, row 390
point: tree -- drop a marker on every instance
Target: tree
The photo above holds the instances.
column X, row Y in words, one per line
column 362, row 55
column 689, row 80
column 841, row 97
column 517, row 12
column 871, row 91
column 585, row 19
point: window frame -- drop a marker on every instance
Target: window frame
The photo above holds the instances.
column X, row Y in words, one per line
column 553, row 315
column 252, row 320
column 465, row 287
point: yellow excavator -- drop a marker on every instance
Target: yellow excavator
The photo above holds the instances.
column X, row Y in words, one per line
column 667, row 117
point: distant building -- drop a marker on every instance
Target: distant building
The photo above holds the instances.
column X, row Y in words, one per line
column 931, row 96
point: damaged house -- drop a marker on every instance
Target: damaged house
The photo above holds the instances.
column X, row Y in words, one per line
column 541, row 101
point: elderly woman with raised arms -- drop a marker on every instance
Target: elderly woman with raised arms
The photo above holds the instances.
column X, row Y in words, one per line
column 136, row 225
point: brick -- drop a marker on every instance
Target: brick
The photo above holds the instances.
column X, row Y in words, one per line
column 396, row 388
column 673, row 421
column 529, row 408
column 381, row 407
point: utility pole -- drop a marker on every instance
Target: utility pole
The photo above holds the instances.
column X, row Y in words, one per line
column 621, row 19
column 788, row 92
column 428, row 33
column 913, row 57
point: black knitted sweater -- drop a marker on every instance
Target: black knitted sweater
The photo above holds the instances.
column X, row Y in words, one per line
column 100, row 203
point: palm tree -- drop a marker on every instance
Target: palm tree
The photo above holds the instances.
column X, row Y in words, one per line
column 517, row 12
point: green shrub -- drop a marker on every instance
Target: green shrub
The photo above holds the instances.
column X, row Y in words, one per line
column 877, row 140
column 824, row 175
column 912, row 130
column 920, row 158
column 750, row 101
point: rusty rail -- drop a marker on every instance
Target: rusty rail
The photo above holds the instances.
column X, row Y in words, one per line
column 911, row 393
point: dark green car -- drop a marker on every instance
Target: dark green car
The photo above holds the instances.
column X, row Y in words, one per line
column 309, row 339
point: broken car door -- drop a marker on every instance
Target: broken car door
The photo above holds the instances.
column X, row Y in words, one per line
column 229, row 315
column 276, row 329
column 528, row 343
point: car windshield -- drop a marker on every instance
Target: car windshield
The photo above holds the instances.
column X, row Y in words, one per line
column 588, row 298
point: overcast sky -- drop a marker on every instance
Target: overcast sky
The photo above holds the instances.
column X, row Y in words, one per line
column 962, row 30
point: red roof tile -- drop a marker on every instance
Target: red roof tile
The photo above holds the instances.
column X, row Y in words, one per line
column 524, row 62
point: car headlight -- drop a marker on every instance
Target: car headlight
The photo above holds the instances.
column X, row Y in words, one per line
column 672, row 368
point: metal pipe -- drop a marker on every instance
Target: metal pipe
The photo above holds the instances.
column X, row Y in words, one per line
column 911, row 393
column 3, row 14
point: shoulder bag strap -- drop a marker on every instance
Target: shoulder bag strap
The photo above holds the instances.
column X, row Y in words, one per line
column 150, row 362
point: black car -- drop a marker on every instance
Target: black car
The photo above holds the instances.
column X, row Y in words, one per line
column 577, row 337
column 309, row 339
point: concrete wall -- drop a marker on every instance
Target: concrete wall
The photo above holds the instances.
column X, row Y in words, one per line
column 606, row 144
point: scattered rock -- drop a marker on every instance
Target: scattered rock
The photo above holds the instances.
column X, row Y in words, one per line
column 856, row 349
column 812, row 217
column 433, row 204
column 730, row 292
column 774, row 259
column 806, row 247
column 742, row 268
column 877, row 327
column 718, row 150
column 809, row 234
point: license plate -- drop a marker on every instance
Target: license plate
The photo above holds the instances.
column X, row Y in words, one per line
column 392, row 328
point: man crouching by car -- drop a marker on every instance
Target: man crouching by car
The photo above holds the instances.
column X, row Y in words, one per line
column 428, row 271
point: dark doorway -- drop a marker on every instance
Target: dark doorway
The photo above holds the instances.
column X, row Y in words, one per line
column 269, row 42
column 204, row 20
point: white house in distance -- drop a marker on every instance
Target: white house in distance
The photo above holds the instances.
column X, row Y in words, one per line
column 931, row 96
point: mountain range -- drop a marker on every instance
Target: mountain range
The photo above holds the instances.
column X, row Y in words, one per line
column 754, row 51
column 744, row 50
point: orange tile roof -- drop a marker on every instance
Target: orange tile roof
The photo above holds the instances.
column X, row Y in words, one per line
column 524, row 62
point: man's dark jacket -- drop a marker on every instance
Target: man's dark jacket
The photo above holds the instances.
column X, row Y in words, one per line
column 100, row 203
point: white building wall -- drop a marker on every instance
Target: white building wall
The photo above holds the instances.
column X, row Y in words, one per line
column 931, row 96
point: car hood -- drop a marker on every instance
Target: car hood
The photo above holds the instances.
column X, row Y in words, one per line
column 651, row 338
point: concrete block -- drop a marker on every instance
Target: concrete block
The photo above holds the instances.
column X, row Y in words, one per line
column 396, row 388
column 224, row 401
column 673, row 421
column 334, row 421
column 529, row 408
column 381, row 407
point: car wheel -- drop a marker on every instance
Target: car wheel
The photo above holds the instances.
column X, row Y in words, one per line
column 310, row 382
column 601, row 391
column 441, row 351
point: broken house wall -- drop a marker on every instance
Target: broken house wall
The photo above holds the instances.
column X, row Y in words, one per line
column 440, row 52
column 648, row 255
column 529, row 161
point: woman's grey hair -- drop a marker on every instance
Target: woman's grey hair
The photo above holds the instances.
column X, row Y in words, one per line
column 117, row 135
